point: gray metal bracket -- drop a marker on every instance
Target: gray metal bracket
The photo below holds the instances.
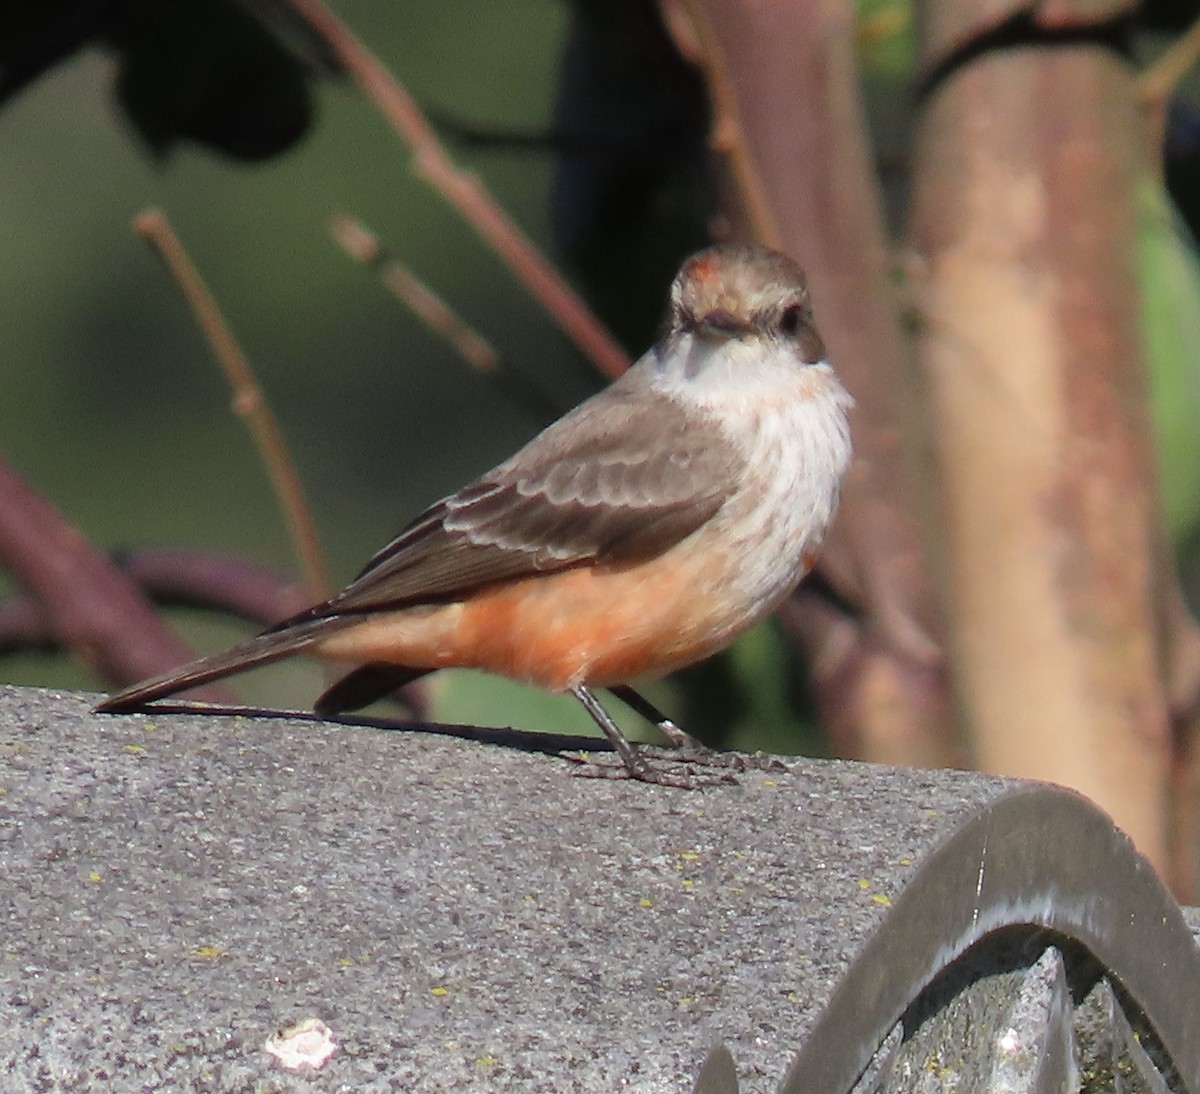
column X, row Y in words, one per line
column 1042, row 860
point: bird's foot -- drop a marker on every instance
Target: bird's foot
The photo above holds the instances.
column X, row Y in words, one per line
column 682, row 747
column 700, row 755
column 640, row 771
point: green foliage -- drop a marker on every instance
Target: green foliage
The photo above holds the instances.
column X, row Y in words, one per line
column 767, row 670
column 1170, row 270
column 886, row 37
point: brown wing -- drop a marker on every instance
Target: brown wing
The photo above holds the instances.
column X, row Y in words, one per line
column 625, row 475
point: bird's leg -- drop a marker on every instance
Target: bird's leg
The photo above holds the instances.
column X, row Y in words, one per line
column 687, row 748
column 635, row 765
column 669, row 729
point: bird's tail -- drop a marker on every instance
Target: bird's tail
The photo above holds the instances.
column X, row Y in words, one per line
column 269, row 646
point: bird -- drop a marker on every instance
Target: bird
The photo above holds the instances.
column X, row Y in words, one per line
column 642, row 531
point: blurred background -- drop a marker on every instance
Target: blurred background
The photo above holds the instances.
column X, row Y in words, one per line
column 110, row 403
column 592, row 128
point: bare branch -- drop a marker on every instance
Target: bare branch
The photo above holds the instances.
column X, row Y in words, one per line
column 1025, row 168
column 90, row 606
column 1159, row 81
column 180, row 577
column 248, row 400
column 465, row 192
column 26, row 626
column 183, row 578
column 170, row 577
column 695, row 37
column 437, row 315
column 788, row 71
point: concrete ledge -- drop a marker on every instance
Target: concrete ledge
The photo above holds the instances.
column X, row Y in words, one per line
column 177, row 888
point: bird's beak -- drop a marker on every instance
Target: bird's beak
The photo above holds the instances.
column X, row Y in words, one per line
column 719, row 323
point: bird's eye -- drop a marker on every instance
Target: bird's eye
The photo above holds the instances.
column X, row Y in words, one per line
column 791, row 320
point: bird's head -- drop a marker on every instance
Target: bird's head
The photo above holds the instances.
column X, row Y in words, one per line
column 742, row 291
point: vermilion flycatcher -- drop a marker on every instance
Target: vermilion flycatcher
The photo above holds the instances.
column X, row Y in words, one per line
column 641, row 532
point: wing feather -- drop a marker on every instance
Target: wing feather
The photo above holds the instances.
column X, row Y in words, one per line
column 623, row 476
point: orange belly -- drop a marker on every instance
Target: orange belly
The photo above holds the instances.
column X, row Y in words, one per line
column 592, row 625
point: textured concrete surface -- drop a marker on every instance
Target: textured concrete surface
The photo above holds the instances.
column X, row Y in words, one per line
column 177, row 888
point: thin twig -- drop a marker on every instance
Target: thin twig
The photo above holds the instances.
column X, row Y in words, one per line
column 87, row 604
column 248, row 401
column 1156, row 84
column 171, row 578
column 465, row 192
column 355, row 239
column 180, row 577
column 26, row 627
column 694, row 37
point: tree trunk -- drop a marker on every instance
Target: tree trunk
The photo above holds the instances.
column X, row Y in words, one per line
column 1023, row 227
